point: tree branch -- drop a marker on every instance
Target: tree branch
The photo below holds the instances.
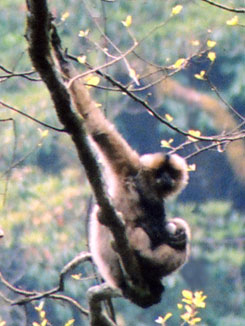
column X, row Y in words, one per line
column 11, row 74
column 30, row 117
column 30, row 296
column 215, row 4
column 96, row 295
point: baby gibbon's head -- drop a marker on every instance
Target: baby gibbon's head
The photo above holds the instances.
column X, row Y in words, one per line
column 177, row 225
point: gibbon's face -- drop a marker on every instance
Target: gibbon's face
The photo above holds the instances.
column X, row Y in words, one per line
column 168, row 172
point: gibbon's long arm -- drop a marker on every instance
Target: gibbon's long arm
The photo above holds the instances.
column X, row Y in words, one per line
column 111, row 144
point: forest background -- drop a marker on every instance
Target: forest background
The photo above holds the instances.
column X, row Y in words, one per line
column 193, row 66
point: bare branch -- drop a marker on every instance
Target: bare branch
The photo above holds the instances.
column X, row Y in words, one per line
column 8, row 172
column 71, row 301
column 11, row 74
column 215, row 4
column 214, row 88
column 31, row 118
column 14, row 289
column 96, row 295
column 33, row 295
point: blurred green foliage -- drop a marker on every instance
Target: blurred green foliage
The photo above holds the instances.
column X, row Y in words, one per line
column 46, row 197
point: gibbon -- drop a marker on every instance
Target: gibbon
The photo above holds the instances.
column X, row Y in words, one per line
column 137, row 186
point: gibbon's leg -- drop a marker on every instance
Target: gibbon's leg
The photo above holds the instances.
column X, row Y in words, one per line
column 100, row 245
column 96, row 295
column 123, row 159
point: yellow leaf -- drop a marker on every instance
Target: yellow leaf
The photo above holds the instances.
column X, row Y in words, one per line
column 195, row 133
column 186, row 317
column 83, row 33
column 77, row 276
column 133, row 75
column 188, row 301
column 167, row 144
column 211, row 44
column 3, row 323
column 40, row 307
column 167, row 316
column 44, row 322
column 92, row 80
column 233, row 21
column 195, row 42
column 179, row 63
column 186, row 293
column 128, row 21
column 179, row 306
column 43, row 133
column 200, row 76
column 176, row 10
column 70, row 322
column 196, row 320
column 42, row 314
column 35, row 324
column 169, row 117
column 191, row 167
column 65, row 16
column 211, row 56
column 82, row 59
column 189, row 309
column 199, row 299
column 161, row 320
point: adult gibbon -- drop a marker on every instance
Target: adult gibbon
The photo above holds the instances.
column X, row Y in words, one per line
column 138, row 186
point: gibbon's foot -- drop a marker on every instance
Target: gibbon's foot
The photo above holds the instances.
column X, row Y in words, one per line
column 96, row 295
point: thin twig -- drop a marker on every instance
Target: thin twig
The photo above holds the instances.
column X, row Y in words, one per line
column 71, row 301
column 215, row 4
column 8, row 172
column 11, row 74
column 105, row 65
column 31, row 118
column 21, row 160
column 32, row 296
column 230, row 107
